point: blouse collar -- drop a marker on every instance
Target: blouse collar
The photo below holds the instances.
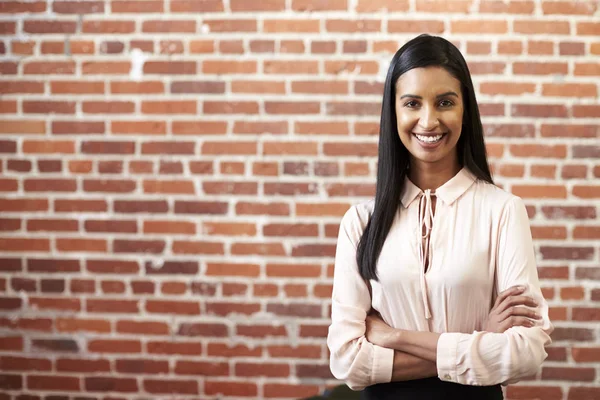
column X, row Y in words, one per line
column 448, row 192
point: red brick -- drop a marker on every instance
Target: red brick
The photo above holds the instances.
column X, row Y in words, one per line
column 158, row 386
column 14, row 87
column 44, row 26
column 485, row 27
column 534, row 392
column 85, row 325
column 24, row 244
column 9, row 363
column 588, row 28
column 22, row 127
column 247, row 86
column 170, row 67
column 587, row 69
column 236, row 25
column 586, row 354
column 172, row 26
column 266, row 369
column 82, row 365
column 173, row 307
column 228, row 350
column 285, row 390
column 76, row 7
column 533, row 68
column 182, row 348
column 223, row 309
column 586, row 232
column 101, row 384
column 261, row 331
column 47, row 382
column 533, row 27
column 230, row 388
column 75, row 87
column 142, row 366
column 47, row 107
column 186, row 6
column 237, row 107
column 583, row 393
column 201, row 368
column 538, row 150
column 569, row 90
column 291, row 25
column 112, row 306
column 586, row 314
column 107, row 26
column 78, row 245
column 114, row 346
column 265, row 249
column 148, row 6
column 586, row 192
column 295, row 310
column 568, row 374
column 11, row 343
column 266, row 5
column 381, row 5
column 311, row 5
column 105, row 67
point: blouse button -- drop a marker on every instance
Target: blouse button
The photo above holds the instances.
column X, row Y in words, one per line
column 448, row 376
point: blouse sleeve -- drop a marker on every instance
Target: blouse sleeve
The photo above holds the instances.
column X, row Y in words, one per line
column 487, row 358
column 352, row 358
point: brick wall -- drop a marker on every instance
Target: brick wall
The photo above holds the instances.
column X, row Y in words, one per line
column 174, row 172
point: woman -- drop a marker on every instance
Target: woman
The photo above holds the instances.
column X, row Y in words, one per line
column 436, row 293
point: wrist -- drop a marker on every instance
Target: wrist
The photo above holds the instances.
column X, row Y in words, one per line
column 395, row 339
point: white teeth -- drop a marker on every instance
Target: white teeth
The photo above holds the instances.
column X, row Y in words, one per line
column 429, row 139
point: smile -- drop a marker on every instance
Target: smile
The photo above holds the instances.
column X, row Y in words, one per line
column 429, row 139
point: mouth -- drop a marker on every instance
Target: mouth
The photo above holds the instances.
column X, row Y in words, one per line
column 429, row 138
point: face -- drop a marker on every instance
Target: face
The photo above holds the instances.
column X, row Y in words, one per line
column 429, row 113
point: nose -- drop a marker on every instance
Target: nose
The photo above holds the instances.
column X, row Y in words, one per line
column 428, row 120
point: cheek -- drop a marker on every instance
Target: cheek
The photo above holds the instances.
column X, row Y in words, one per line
column 405, row 120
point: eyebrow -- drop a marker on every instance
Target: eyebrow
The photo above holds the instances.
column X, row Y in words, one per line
column 437, row 97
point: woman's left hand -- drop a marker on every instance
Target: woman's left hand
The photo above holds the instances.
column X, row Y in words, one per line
column 378, row 332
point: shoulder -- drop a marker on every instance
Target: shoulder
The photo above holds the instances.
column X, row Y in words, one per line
column 356, row 218
column 498, row 201
column 495, row 196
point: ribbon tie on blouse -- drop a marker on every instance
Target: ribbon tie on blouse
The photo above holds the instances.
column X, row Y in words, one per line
column 425, row 223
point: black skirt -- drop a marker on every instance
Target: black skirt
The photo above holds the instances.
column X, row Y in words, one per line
column 430, row 389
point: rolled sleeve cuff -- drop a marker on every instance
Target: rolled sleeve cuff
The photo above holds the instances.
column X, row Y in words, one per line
column 446, row 356
column 383, row 365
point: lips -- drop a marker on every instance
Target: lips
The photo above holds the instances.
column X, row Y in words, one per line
column 429, row 134
column 426, row 140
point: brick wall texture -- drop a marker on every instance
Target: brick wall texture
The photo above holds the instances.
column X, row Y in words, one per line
column 173, row 174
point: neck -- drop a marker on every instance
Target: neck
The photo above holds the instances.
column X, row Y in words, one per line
column 432, row 175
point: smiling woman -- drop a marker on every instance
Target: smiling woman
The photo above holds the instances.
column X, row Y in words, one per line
column 429, row 108
column 436, row 293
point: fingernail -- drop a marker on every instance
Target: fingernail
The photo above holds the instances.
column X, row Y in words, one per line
column 538, row 316
column 530, row 323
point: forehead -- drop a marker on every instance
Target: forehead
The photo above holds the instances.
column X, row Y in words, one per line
column 427, row 81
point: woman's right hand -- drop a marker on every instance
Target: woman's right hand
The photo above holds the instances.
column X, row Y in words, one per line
column 506, row 313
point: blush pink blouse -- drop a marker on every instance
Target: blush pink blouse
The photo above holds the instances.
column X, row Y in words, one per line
column 477, row 243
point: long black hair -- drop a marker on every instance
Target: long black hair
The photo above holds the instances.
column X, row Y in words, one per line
column 393, row 159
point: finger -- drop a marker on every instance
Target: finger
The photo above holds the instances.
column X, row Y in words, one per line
column 512, row 301
column 514, row 290
column 519, row 312
column 516, row 321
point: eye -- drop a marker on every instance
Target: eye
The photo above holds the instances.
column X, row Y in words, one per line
column 446, row 103
column 411, row 104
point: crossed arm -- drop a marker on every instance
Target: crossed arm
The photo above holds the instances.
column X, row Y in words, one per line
column 479, row 358
column 415, row 352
